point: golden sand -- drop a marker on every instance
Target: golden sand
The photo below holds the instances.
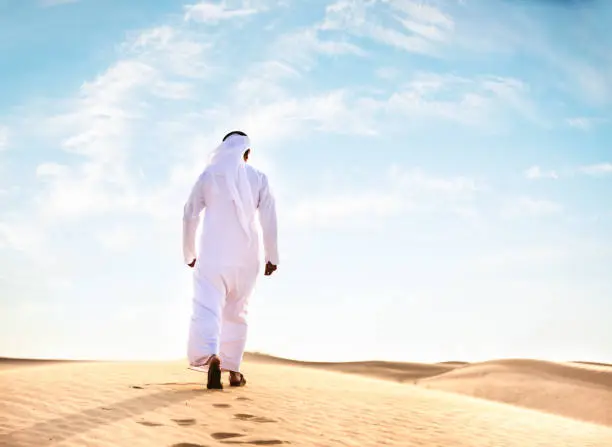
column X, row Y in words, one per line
column 519, row 403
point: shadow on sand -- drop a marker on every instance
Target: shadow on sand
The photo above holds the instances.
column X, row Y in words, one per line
column 64, row 427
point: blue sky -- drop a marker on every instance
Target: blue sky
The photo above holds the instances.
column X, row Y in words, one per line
column 443, row 172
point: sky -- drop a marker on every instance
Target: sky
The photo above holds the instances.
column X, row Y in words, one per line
column 442, row 171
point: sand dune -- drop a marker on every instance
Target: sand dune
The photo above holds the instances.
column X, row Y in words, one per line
column 579, row 390
column 583, row 392
column 396, row 371
column 294, row 403
column 9, row 363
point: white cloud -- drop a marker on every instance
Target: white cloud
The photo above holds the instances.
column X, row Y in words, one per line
column 278, row 112
column 597, row 169
column 416, row 180
column 173, row 51
column 424, row 20
column 402, row 191
column 423, row 13
column 159, row 64
column 535, row 172
column 302, row 48
column 530, row 207
column 580, row 123
column 482, row 101
column 423, row 27
column 584, row 123
column 103, row 110
column 424, row 97
column 264, row 80
column 286, row 115
column 209, row 12
column 97, row 127
column 4, row 137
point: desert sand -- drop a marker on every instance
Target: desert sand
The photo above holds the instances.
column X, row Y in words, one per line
column 520, row 403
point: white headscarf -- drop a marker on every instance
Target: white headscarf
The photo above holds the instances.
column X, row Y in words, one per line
column 227, row 161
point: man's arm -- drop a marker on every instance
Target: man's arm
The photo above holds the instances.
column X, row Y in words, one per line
column 267, row 219
column 191, row 219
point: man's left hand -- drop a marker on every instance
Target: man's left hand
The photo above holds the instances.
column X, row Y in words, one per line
column 270, row 268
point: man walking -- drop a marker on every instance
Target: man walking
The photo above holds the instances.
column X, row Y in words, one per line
column 226, row 268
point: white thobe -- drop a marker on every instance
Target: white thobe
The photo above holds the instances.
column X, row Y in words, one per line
column 227, row 265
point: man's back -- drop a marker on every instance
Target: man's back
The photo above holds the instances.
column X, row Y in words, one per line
column 223, row 240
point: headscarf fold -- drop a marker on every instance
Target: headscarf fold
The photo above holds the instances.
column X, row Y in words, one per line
column 227, row 161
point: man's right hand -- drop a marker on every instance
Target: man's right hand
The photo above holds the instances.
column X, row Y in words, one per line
column 270, row 268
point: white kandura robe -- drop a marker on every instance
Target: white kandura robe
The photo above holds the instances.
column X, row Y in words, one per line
column 227, row 266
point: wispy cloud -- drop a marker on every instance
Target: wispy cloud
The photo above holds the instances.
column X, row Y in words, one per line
column 419, row 28
column 535, row 172
column 303, row 48
column 158, row 66
column 585, row 123
column 214, row 12
column 597, row 169
column 419, row 181
column 481, row 101
column 172, row 51
column 401, row 191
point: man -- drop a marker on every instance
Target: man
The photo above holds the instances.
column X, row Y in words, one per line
column 228, row 263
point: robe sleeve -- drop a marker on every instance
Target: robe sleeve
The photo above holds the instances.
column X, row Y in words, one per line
column 191, row 219
column 267, row 219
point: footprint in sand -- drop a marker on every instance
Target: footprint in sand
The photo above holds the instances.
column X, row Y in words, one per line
column 220, row 436
column 187, row 444
column 184, row 422
column 252, row 418
column 259, row 442
column 244, row 399
column 222, row 405
column 150, row 424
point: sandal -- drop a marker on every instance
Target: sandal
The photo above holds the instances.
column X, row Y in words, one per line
column 240, row 382
column 214, row 373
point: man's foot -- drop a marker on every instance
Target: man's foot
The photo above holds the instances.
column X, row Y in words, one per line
column 214, row 373
column 237, row 379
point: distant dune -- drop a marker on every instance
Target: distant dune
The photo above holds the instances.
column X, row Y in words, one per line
column 580, row 390
column 505, row 403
